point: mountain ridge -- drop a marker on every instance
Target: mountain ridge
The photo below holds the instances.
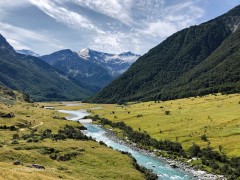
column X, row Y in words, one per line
column 36, row 78
column 116, row 64
column 78, row 68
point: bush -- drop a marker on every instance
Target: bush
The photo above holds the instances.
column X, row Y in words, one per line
column 102, row 143
column 15, row 136
column 204, row 137
column 14, row 142
column 194, row 150
column 29, row 140
column 167, row 112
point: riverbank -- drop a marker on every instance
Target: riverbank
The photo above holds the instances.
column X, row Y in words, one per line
column 198, row 174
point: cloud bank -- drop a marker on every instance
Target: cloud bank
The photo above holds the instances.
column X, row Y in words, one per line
column 110, row 25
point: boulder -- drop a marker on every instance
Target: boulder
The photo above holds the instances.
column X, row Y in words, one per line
column 173, row 165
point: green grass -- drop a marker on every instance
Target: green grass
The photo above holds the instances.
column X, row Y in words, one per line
column 217, row 116
column 94, row 161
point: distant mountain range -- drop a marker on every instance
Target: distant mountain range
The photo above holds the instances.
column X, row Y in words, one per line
column 78, row 68
column 94, row 68
column 195, row 61
column 62, row 75
column 115, row 64
column 37, row 78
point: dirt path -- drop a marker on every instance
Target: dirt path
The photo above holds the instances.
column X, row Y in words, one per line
column 41, row 123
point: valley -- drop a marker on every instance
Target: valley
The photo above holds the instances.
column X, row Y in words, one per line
column 70, row 158
column 104, row 112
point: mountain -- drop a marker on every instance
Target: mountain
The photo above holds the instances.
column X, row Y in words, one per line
column 78, row 68
column 27, row 52
column 115, row 64
column 195, row 61
column 36, row 78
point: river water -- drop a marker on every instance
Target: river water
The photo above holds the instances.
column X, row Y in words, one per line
column 160, row 167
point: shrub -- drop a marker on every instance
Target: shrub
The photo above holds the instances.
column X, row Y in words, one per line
column 167, row 112
column 204, row 137
column 15, row 136
column 194, row 150
column 14, row 142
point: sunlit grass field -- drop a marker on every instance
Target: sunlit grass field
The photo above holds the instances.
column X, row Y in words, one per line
column 185, row 120
column 94, row 161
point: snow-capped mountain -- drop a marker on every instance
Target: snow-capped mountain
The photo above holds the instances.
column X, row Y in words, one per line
column 27, row 52
column 116, row 64
column 86, row 72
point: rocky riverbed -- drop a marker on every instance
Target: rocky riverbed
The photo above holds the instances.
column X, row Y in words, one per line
column 197, row 174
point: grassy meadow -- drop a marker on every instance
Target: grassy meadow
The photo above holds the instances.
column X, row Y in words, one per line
column 93, row 161
column 184, row 120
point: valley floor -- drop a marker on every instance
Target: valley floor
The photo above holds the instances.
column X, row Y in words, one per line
column 22, row 143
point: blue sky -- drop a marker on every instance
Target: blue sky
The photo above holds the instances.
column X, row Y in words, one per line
column 113, row 26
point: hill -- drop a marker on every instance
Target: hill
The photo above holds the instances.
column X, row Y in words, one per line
column 195, row 61
column 36, row 78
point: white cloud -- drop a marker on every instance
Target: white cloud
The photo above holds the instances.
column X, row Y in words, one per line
column 172, row 19
column 118, row 9
column 160, row 29
column 117, row 42
column 11, row 4
column 21, row 38
column 64, row 15
column 148, row 22
column 5, row 5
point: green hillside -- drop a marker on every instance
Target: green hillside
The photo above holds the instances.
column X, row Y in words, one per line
column 36, row 78
column 195, row 61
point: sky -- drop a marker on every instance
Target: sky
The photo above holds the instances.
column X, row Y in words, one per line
column 113, row 26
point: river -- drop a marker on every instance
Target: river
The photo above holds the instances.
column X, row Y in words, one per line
column 160, row 167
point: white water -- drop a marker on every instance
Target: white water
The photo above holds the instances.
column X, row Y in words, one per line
column 158, row 166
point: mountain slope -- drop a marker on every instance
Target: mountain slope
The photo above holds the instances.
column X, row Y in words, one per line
column 27, row 52
column 220, row 72
column 85, row 71
column 115, row 64
column 35, row 77
column 166, row 71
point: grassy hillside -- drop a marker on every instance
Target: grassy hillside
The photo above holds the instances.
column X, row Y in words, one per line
column 195, row 61
column 67, row 159
column 184, row 120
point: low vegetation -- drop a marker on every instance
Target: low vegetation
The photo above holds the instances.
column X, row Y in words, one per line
column 35, row 145
column 203, row 127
